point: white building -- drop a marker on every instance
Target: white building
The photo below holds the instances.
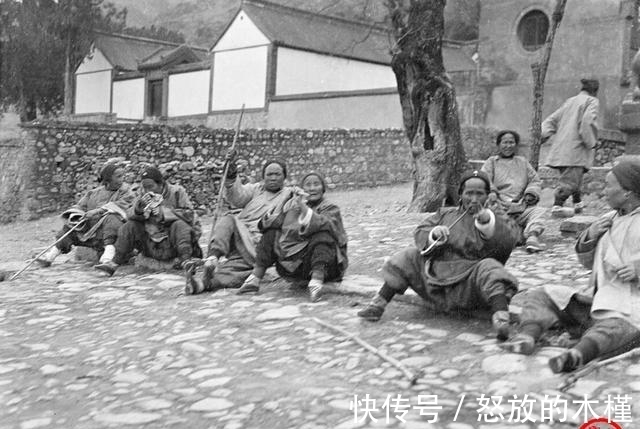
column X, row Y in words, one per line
column 290, row 69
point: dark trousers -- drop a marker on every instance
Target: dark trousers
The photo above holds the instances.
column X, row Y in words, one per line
column 320, row 255
column 569, row 185
column 540, row 312
column 133, row 236
column 105, row 235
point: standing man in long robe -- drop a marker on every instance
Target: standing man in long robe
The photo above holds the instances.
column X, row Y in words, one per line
column 464, row 268
column 608, row 312
column 573, row 132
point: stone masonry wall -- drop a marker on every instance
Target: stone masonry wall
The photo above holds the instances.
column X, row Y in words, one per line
column 68, row 156
column 51, row 165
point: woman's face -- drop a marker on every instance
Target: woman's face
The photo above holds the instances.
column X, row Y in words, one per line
column 312, row 185
column 115, row 182
column 507, row 145
column 614, row 193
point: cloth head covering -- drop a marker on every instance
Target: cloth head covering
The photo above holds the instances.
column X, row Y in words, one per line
column 274, row 161
column 627, row 171
column 590, row 85
column 515, row 135
column 152, row 173
column 475, row 174
column 107, row 171
column 313, row 173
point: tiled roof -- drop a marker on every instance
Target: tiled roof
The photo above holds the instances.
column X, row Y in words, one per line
column 295, row 28
column 173, row 56
column 124, row 52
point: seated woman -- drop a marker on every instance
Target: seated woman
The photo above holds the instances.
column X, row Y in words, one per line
column 305, row 242
column 607, row 314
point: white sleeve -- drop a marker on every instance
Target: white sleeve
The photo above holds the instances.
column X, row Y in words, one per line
column 488, row 229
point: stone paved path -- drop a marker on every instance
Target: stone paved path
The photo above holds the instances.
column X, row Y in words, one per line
column 78, row 350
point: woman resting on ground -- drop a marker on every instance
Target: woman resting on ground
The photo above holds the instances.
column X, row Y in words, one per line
column 305, row 242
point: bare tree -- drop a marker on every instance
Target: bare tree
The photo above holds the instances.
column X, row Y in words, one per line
column 428, row 101
column 539, row 70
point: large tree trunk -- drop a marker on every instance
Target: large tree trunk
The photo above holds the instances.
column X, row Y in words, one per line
column 428, row 101
column 539, row 70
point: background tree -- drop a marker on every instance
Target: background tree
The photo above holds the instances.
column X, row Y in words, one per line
column 428, row 101
column 30, row 58
column 539, row 70
column 74, row 24
column 155, row 32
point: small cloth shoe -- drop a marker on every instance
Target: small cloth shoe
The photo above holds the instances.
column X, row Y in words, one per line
column 371, row 312
column 566, row 362
column 533, row 244
column 50, row 255
column 522, row 344
column 500, row 321
column 315, row 290
column 578, row 207
column 559, row 211
column 108, row 267
column 250, row 285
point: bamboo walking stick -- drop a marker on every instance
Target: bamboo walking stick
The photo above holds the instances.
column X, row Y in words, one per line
column 223, row 179
column 47, row 249
column 413, row 377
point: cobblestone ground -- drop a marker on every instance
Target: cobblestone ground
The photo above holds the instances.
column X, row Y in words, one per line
column 79, row 350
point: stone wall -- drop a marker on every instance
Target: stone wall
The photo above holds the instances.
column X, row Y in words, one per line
column 68, row 156
column 49, row 166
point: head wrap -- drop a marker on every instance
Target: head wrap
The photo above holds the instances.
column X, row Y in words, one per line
column 590, row 85
column 627, row 171
column 501, row 134
column 475, row 174
column 313, row 173
column 152, row 173
column 274, row 161
column 107, row 171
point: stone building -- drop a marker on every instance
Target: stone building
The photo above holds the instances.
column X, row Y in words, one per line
column 596, row 38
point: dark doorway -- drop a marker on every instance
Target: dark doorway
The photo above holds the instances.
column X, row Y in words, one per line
column 155, row 97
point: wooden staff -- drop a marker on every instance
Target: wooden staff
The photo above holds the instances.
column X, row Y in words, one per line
column 413, row 377
column 571, row 379
column 218, row 211
column 76, row 226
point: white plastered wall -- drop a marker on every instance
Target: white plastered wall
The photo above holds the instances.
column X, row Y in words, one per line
column 241, row 33
column 189, row 93
column 128, row 98
column 95, row 61
column 239, row 76
column 300, row 72
column 93, row 92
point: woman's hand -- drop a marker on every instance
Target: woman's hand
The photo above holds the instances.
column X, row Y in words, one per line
column 599, row 227
column 627, row 273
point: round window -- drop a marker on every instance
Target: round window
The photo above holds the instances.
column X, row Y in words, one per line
column 533, row 29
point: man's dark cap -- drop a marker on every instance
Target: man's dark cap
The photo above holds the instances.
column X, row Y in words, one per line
column 590, row 85
column 477, row 174
column 152, row 173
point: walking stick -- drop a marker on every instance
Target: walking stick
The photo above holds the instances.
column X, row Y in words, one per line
column 411, row 376
column 47, row 249
column 225, row 170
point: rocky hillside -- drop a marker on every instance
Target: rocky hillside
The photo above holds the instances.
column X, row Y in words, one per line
column 202, row 21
